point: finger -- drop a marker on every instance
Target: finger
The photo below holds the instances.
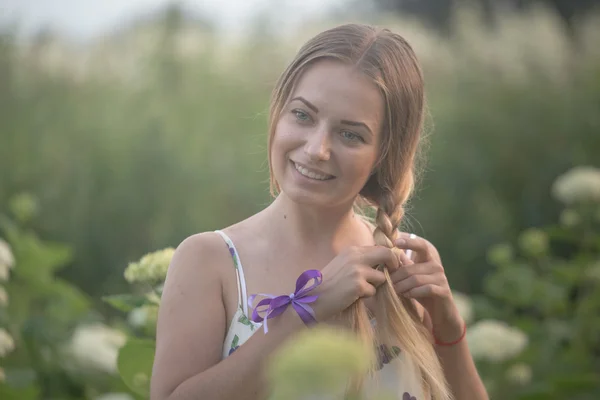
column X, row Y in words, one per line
column 425, row 291
column 414, row 243
column 415, row 269
column 409, row 251
column 368, row 290
column 403, row 257
column 376, row 255
column 373, row 276
column 413, row 281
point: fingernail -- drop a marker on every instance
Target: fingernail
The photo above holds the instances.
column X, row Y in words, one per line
column 400, row 242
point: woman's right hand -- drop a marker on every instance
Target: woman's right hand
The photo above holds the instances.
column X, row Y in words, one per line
column 351, row 275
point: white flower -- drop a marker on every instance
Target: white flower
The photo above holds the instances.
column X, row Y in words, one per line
column 7, row 344
column 519, row 373
column 578, row 185
column 114, row 396
column 495, row 341
column 138, row 317
column 151, row 268
column 464, row 305
column 3, row 297
column 96, row 347
column 7, row 260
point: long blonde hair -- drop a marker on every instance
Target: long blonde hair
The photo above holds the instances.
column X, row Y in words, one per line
column 389, row 61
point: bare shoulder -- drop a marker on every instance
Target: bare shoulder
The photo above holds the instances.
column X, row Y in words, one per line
column 191, row 320
column 198, row 255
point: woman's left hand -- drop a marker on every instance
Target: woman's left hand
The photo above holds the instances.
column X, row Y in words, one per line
column 422, row 278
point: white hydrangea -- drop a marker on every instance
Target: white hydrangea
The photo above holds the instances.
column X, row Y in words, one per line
column 464, row 305
column 138, row 317
column 519, row 373
column 495, row 341
column 96, row 347
column 7, row 344
column 144, row 316
column 3, row 297
column 7, row 260
column 578, row 185
column 114, row 396
column 150, row 268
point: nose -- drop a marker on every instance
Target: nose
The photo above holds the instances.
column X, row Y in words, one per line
column 318, row 146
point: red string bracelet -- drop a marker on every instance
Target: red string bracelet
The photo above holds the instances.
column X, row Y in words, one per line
column 462, row 336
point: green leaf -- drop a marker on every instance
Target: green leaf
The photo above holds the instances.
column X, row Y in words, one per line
column 570, row 385
column 39, row 260
column 20, row 378
column 537, row 392
column 11, row 393
column 126, row 302
column 536, row 396
column 135, row 365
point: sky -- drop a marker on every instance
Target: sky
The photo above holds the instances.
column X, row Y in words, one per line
column 88, row 18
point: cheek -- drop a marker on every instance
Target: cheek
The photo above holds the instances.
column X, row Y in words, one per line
column 282, row 143
column 360, row 164
column 285, row 138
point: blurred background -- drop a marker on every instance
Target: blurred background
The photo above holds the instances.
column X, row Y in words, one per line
column 127, row 126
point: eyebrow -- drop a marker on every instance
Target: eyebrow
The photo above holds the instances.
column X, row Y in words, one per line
column 308, row 103
column 344, row 121
column 355, row 123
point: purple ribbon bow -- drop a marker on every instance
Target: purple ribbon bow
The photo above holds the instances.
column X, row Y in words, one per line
column 273, row 306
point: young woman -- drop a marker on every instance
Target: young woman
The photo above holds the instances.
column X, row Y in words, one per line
column 345, row 123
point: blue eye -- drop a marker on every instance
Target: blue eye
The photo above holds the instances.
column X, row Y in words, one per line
column 351, row 136
column 301, row 115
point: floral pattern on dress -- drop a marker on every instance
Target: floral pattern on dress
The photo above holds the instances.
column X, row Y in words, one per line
column 243, row 319
column 233, row 255
column 386, row 354
column 407, row 396
column 234, row 344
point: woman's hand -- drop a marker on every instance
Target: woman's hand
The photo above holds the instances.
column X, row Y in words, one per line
column 351, row 275
column 422, row 278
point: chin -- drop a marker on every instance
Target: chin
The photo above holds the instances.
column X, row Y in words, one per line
column 326, row 197
column 308, row 198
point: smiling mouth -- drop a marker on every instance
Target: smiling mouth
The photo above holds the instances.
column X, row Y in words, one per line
column 311, row 174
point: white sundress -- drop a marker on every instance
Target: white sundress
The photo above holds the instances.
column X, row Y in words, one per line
column 398, row 376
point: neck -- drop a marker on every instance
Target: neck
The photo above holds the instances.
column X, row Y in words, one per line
column 320, row 228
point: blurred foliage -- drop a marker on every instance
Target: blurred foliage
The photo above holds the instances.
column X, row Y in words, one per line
column 136, row 357
column 122, row 169
column 40, row 315
column 546, row 282
column 438, row 14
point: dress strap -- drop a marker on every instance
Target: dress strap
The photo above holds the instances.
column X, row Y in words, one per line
column 239, row 271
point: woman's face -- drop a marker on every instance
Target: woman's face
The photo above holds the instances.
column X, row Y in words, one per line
column 326, row 141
